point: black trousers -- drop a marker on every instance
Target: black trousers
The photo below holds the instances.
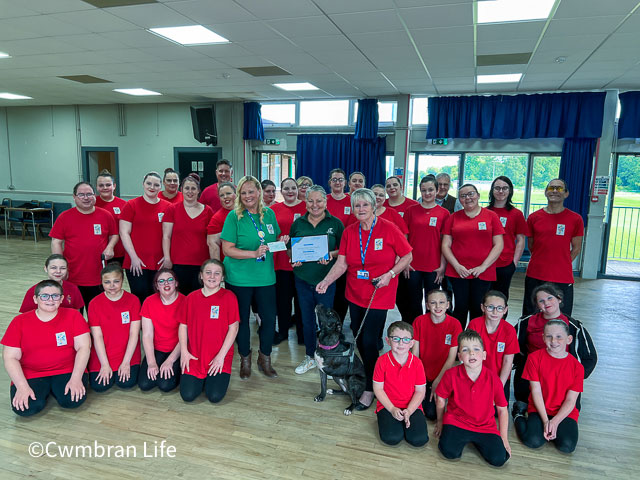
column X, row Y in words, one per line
column 340, row 303
column 44, row 386
column 114, row 380
column 417, row 286
column 88, row 293
column 163, row 384
column 467, row 297
column 530, row 431
column 141, row 286
column 285, row 293
column 429, row 406
column 454, row 439
column 264, row 297
column 188, row 277
column 503, row 279
column 392, row 431
column 368, row 340
column 214, row 386
column 529, row 307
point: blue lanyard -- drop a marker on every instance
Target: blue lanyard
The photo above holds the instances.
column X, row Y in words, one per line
column 363, row 253
column 261, row 233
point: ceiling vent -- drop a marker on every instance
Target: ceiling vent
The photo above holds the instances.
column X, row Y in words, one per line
column 271, row 71
column 85, row 79
column 503, row 59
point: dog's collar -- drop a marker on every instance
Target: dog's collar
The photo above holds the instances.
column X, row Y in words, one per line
column 326, row 347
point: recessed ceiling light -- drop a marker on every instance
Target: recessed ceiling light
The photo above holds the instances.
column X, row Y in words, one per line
column 4, row 55
column 501, row 11
column 295, row 86
column 191, row 35
column 13, row 96
column 504, row 78
column 138, row 92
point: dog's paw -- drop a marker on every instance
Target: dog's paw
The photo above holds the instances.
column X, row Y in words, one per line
column 330, row 391
column 349, row 410
column 318, row 398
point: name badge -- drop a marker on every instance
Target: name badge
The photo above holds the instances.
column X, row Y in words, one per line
column 363, row 275
column 270, row 229
column 116, row 210
column 126, row 318
column 503, row 221
column 97, row 229
column 433, row 221
column 61, row 339
column 69, row 299
column 378, row 244
column 215, row 312
column 560, row 229
column 482, row 225
column 347, row 210
column 160, row 215
column 296, row 216
column 500, row 346
column 447, row 339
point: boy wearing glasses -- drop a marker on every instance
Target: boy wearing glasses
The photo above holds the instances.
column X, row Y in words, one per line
column 399, row 384
column 555, row 241
column 498, row 336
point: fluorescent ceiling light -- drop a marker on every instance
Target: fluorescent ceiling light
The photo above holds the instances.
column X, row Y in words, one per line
column 138, row 92
column 295, row 86
column 505, row 78
column 4, row 55
column 500, row 11
column 13, row 96
column 192, row 35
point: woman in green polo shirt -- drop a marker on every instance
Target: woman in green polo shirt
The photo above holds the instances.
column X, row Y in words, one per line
column 247, row 230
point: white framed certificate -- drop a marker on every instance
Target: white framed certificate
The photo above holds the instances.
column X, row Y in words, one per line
column 309, row 249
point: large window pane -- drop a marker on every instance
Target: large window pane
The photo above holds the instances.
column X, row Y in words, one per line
column 481, row 169
column 419, row 114
column 545, row 169
column 278, row 113
column 435, row 164
column 388, row 166
column 387, row 112
column 324, row 113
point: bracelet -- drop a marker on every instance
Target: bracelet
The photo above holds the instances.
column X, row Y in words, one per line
column 393, row 274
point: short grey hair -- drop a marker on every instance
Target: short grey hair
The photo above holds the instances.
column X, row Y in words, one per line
column 315, row 188
column 442, row 175
column 363, row 194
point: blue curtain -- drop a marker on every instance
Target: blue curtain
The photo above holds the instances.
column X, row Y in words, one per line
column 548, row 115
column 629, row 124
column 575, row 168
column 367, row 122
column 253, row 129
column 316, row 155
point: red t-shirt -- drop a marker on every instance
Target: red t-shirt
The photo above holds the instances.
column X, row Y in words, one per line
column 85, row 237
column 114, row 319
column 47, row 347
column 389, row 214
column 341, row 209
column 551, row 253
column 387, row 243
column 189, row 235
column 215, row 225
column 285, row 217
column 470, row 405
column 165, row 319
column 514, row 224
column 403, row 207
column 504, row 341
column 115, row 208
column 472, row 240
column 535, row 331
column 146, row 230
column 425, row 235
column 177, row 199
column 400, row 381
column 209, row 196
column 435, row 342
column 72, row 298
column 208, row 320
column 556, row 376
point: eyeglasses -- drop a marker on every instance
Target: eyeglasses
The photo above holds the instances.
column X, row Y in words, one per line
column 404, row 340
column 305, row 185
column 162, row 281
column 555, row 188
column 467, row 195
column 492, row 308
column 501, row 189
column 337, row 180
column 85, row 195
column 53, row 296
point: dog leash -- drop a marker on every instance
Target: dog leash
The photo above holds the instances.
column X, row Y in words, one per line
column 375, row 289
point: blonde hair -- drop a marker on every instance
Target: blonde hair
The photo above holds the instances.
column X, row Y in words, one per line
column 239, row 207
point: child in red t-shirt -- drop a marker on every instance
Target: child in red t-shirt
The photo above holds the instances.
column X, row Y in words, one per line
column 114, row 318
column 399, row 386
column 207, row 335
column 556, row 379
column 436, row 344
column 472, row 390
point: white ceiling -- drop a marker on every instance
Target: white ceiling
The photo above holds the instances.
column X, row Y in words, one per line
column 348, row 48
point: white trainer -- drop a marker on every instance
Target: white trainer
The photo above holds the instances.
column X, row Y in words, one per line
column 307, row 364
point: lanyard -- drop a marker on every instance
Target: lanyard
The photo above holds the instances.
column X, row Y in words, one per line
column 363, row 253
column 261, row 233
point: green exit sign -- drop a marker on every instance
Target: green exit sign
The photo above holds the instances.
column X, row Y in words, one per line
column 439, row 141
column 272, row 141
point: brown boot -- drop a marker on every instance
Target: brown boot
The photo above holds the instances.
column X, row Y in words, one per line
column 264, row 365
column 245, row 366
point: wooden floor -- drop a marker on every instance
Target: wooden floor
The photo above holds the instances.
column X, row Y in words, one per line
column 273, row 429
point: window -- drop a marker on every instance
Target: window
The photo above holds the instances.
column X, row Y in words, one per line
column 419, row 112
column 545, row 168
column 481, row 169
column 278, row 113
column 324, row 113
column 387, row 112
column 276, row 166
column 427, row 163
column 389, row 166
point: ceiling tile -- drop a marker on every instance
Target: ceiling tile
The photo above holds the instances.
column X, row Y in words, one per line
column 327, row 43
column 505, row 32
column 152, row 15
column 304, row 26
column 512, row 46
column 593, row 8
column 241, row 31
column 351, row 6
column 568, row 44
column 95, row 21
column 387, row 39
column 577, row 26
column 274, row 9
column 383, row 20
column 218, row 11
column 450, row 15
column 442, row 35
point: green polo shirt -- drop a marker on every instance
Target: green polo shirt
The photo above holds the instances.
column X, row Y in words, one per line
column 242, row 232
column 312, row 272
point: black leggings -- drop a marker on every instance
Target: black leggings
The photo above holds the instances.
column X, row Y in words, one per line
column 114, row 380
column 188, row 277
column 368, row 340
column 530, row 431
column 163, row 384
column 417, row 286
column 528, row 306
column 429, row 407
column 89, row 293
column 454, row 439
column 504, row 275
column 42, row 387
column 340, row 304
column 467, row 297
column 264, row 297
column 141, row 286
column 285, row 293
column 392, row 431
column 214, row 386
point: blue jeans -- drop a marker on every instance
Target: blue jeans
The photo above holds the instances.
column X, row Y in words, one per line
column 309, row 298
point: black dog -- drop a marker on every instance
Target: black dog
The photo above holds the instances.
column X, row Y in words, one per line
column 337, row 358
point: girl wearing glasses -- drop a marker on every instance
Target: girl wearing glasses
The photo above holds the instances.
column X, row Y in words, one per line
column 303, row 184
column 161, row 315
column 515, row 233
column 498, row 336
column 46, row 352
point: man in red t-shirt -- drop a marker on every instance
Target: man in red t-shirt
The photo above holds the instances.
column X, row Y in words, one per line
column 84, row 235
column 555, row 241
column 224, row 173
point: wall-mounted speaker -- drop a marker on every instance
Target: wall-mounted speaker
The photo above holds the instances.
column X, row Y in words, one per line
column 204, row 124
